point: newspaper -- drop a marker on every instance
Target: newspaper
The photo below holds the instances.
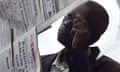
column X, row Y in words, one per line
column 5, row 43
column 22, row 55
column 22, row 15
column 5, row 32
column 26, row 53
column 6, row 59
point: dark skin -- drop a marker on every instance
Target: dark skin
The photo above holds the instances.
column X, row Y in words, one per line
column 81, row 28
column 78, row 47
column 80, row 32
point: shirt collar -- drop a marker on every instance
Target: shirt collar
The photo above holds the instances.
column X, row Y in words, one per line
column 57, row 61
column 63, row 66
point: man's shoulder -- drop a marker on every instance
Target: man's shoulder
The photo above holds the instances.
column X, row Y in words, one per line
column 106, row 64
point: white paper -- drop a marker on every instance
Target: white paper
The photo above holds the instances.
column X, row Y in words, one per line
column 26, row 53
column 21, row 15
column 5, row 31
column 6, row 60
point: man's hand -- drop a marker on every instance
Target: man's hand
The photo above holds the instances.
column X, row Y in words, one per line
column 80, row 33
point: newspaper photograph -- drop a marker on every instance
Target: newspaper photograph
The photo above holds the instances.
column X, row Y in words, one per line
column 21, row 15
column 26, row 53
column 5, row 32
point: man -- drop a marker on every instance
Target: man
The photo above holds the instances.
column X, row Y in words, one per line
column 81, row 28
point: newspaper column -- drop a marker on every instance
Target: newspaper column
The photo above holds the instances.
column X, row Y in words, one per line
column 26, row 53
column 5, row 42
column 6, row 59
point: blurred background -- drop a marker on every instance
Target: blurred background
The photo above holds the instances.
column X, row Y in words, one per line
column 109, row 43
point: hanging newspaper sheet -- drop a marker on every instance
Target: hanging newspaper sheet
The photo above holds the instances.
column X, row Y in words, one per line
column 6, row 59
column 26, row 53
column 22, row 15
column 5, row 31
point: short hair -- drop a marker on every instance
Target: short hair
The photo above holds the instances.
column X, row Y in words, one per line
column 96, row 17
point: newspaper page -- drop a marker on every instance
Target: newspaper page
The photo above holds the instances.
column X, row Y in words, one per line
column 21, row 15
column 118, row 1
column 26, row 53
column 118, row 33
column 5, row 43
column 5, row 30
column 6, row 59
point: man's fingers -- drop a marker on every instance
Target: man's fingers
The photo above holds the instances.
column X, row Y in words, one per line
column 79, row 28
column 80, row 34
column 75, row 41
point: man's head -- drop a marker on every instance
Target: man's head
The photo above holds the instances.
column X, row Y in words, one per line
column 91, row 13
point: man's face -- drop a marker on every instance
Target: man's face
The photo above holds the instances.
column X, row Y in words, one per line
column 74, row 31
column 80, row 31
column 64, row 31
column 84, row 25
